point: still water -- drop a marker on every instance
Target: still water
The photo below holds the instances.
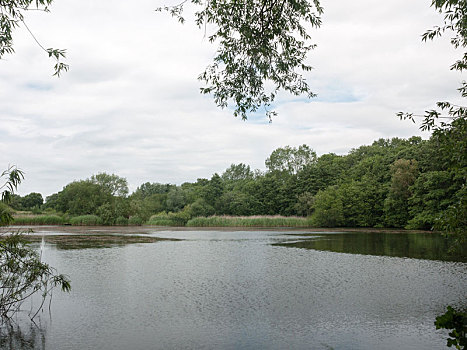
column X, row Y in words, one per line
column 248, row 290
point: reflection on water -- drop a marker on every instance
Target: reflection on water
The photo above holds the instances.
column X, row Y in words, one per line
column 93, row 240
column 432, row 246
column 25, row 335
column 236, row 290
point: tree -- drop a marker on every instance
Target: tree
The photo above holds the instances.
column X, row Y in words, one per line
column 176, row 199
column 22, row 274
column 290, row 159
column 11, row 15
column 328, row 209
column 404, row 172
column 32, row 200
column 237, row 172
column 112, row 184
column 82, row 197
column 148, row 189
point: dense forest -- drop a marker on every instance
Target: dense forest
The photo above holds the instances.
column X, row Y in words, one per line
column 401, row 183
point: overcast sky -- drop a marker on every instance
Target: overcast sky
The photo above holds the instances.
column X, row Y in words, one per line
column 130, row 104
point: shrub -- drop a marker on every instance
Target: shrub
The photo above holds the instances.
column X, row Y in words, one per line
column 121, row 221
column 135, row 221
column 170, row 219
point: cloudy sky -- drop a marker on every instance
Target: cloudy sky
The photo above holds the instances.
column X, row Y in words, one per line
column 130, row 104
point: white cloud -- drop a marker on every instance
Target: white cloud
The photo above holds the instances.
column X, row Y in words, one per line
column 131, row 105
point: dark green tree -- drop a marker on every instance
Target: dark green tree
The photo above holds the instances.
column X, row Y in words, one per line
column 328, row 210
column 82, row 197
column 396, row 206
column 32, row 200
column 176, row 199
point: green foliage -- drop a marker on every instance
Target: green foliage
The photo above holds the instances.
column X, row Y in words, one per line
column 5, row 214
column 290, row 159
column 39, row 220
column 328, row 210
column 86, row 220
column 113, row 184
column 9, row 181
column 449, row 124
column 23, row 274
column 170, row 219
column 403, row 175
column 32, row 200
column 325, row 172
column 432, row 194
column 81, row 198
column 121, row 221
column 213, row 191
column 135, row 221
column 454, row 219
column 149, row 189
column 456, row 321
column 176, row 199
column 260, row 44
column 200, row 208
column 236, row 173
column 249, row 221
column 391, row 183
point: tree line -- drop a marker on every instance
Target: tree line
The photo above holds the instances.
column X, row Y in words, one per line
column 401, row 183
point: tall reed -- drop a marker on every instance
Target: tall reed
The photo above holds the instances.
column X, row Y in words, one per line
column 86, row 220
column 39, row 220
column 249, row 221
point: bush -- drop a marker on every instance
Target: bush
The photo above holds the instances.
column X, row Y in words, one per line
column 170, row 219
column 86, row 220
column 135, row 221
column 121, row 221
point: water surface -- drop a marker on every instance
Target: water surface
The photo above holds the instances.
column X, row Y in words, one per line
column 241, row 290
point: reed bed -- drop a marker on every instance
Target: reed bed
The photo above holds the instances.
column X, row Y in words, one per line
column 39, row 220
column 249, row 221
column 86, row 220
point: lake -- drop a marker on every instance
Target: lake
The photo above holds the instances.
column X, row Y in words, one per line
column 255, row 289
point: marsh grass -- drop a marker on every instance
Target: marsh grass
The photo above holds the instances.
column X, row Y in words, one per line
column 86, row 220
column 249, row 221
column 39, row 220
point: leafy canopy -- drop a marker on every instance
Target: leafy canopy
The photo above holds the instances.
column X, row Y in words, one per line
column 262, row 47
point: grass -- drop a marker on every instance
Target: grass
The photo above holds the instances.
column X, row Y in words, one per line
column 39, row 220
column 249, row 221
column 86, row 220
